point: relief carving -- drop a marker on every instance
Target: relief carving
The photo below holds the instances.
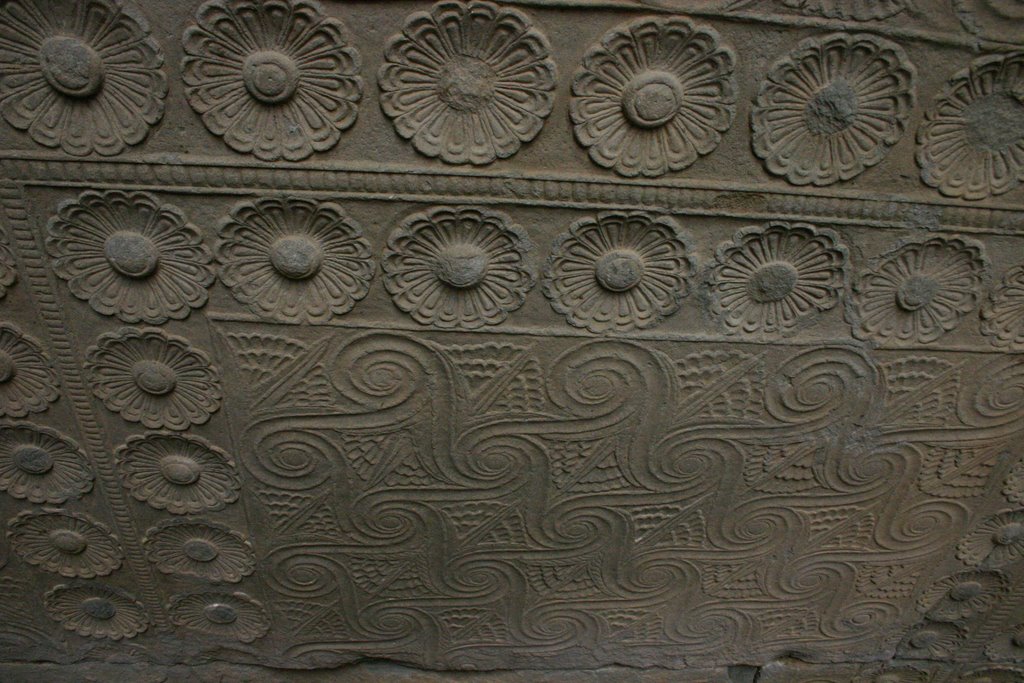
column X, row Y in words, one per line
column 294, row 260
column 274, row 78
column 28, row 383
column 469, row 83
column 971, row 144
column 130, row 256
column 769, row 280
column 150, row 377
column 178, row 473
column 832, row 108
column 458, row 267
column 41, row 465
column 96, row 610
column 618, row 271
column 653, row 96
column 86, row 77
column 540, row 339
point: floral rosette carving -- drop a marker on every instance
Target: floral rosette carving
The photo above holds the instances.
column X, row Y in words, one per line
column 41, row 465
column 84, row 76
column 931, row 640
column 963, row 595
column 458, row 267
column 223, row 615
column 96, row 610
column 832, row 107
column 28, row 383
column 1008, row 645
column 150, row 377
column 275, row 78
column 130, row 255
column 653, row 96
column 618, row 271
column 1002, row 316
column 467, row 82
column 920, row 291
column 294, row 260
column 995, row 543
column 858, row 10
column 971, row 143
column 66, row 543
column 773, row 279
column 210, row 551
column 178, row 473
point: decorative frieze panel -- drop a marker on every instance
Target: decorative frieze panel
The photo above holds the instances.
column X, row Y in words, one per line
column 527, row 335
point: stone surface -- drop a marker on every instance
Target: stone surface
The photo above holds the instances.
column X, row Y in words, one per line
column 584, row 340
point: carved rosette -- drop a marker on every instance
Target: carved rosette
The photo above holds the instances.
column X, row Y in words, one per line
column 618, row 271
column 920, row 291
column 773, row 279
column 150, row 377
column 130, row 255
column 1007, row 645
column 28, row 383
column 468, row 82
column 209, row 551
column 84, row 76
column 67, row 543
column 96, row 610
column 231, row 616
column 294, row 260
column 653, row 96
column 178, row 473
column 963, row 595
column 971, row 143
column 995, row 543
column 832, row 108
column 1002, row 316
column 275, row 78
column 458, row 267
column 932, row 640
column 41, row 465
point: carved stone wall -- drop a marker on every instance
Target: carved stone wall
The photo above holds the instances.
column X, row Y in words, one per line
column 537, row 335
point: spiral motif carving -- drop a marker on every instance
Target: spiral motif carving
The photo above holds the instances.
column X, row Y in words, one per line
column 757, row 525
column 599, row 378
column 693, row 464
column 381, row 371
column 391, row 521
column 292, row 460
column 860, row 620
column 299, row 574
column 712, row 629
column 918, row 526
column 820, row 385
column 994, row 395
column 494, row 459
column 810, row 576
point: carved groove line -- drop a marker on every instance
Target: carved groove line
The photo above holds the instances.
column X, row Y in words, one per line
column 418, row 185
column 14, row 207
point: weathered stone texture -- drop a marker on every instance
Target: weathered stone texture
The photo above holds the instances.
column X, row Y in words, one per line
column 535, row 337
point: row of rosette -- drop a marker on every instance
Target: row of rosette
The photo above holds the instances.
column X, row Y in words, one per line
column 175, row 473
column 298, row 260
column 471, row 83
